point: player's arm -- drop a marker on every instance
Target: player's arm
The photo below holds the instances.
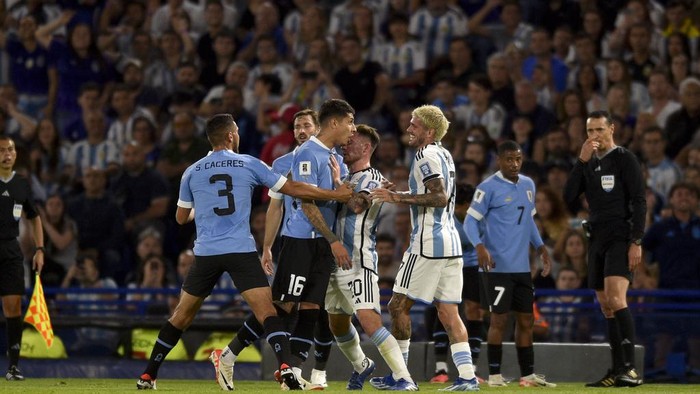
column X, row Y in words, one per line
column 536, row 241
column 184, row 215
column 359, row 202
column 436, row 196
column 38, row 232
column 342, row 258
column 471, row 228
column 305, row 191
column 273, row 219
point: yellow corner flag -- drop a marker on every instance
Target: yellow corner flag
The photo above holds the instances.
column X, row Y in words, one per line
column 38, row 313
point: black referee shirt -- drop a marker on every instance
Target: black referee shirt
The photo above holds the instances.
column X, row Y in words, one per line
column 15, row 197
column 614, row 189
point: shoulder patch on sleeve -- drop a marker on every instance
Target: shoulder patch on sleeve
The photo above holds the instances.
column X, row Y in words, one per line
column 425, row 169
column 372, row 185
column 304, row 168
column 479, row 196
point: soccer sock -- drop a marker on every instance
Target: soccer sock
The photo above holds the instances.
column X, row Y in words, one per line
column 526, row 359
column 349, row 345
column 302, row 336
column 167, row 339
column 495, row 353
column 14, row 339
column 404, row 345
column 389, row 349
column 289, row 318
column 276, row 336
column 462, row 357
column 249, row 333
column 615, row 344
column 323, row 339
column 625, row 322
column 474, row 328
column 441, row 341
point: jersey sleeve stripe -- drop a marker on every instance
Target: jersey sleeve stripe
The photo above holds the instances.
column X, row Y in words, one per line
column 278, row 185
column 184, row 204
column 475, row 214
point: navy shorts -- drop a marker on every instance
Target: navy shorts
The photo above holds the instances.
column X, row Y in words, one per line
column 303, row 270
column 470, row 284
column 507, row 292
column 12, row 268
column 245, row 270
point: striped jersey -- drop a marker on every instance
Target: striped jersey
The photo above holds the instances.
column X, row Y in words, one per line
column 435, row 32
column 506, row 210
column 82, row 155
column 434, row 234
column 358, row 231
column 401, row 61
column 219, row 188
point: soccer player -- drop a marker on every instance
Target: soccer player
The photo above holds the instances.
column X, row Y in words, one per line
column 503, row 207
column 432, row 266
column 356, row 290
column 470, row 293
column 15, row 198
column 310, row 247
column 611, row 178
column 220, row 186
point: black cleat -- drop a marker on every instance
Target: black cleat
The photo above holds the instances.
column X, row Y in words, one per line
column 14, row 374
column 628, row 378
column 290, row 378
column 606, row 381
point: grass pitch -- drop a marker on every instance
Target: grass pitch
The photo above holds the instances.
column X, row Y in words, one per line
column 30, row 386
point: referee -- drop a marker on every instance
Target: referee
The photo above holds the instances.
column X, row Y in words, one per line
column 612, row 181
column 15, row 198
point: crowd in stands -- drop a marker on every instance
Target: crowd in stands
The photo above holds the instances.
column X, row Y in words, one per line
column 107, row 99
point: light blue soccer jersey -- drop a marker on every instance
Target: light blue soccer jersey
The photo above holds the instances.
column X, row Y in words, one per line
column 283, row 165
column 358, row 231
column 434, row 234
column 506, row 210
column 219, row 188
column 311, row 165
column 468, row 251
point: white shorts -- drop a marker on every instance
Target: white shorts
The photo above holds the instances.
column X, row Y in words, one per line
column 428, row 280
column 350, row 291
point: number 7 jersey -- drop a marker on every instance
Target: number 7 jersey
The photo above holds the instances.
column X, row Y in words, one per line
column 219, row 188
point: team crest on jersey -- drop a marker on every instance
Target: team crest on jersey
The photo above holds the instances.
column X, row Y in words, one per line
column 529, row 195
column 479, row 196
column 425, row 169
column 305, row 168
column 607, row 182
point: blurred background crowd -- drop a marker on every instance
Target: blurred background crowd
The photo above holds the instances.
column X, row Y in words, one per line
column 107, row 100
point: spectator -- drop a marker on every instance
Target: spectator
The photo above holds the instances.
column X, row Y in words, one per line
column 526, row 105
column 89, row 102
column 680, row 70
column 341, row 18
column 48, row 155
column 146, row 97
column 447, row 97
column 161, row 21
column 541, row 48
column 553, row 146
column 363, row 27
column 503, row 91
column 386, row 265
column 120, row 130
column 233, row 102
column 640, row 59
column 152, row 275
column 586, row 55
column 662, row 104
column 270, row 61
column 663, row 172
column 636, row 91
column 266, row 25
column 552, row 213
column 511, row 29
column 571, row 250
column 187, row 79
column 214, row 70
column 61, row 237
column 311, row 86
column 214, row 20
column 682, row 124
column 588, row 83
column 161, row 72
column 480, row 110
column 237, row 74
column 93, row 152
column 121, row 20
column 312, row 26
column 435, row 24
column 680, row 21
column 567, row 323
column 145, row 134
column 523, row 135
column 571, row 105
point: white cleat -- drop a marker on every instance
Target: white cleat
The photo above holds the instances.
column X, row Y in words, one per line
column 497, row 381
column 224, row 373
column 318, row 377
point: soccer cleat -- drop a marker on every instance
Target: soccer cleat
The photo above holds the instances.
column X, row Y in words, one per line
column 382, row 382
column 403, row 385
column 318, row 377
column 289, row 379
column 535, row 380
column 628, row 378
column 462, row 384
column 497, row 381
column 357, row 379
column 14, row 374
column 440, row 377
column 146, row 383
column 606, row 381
column 224, row 373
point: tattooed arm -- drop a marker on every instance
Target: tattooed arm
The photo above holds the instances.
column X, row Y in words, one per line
column 359, row 202
column 436, row 196
column 342, row 258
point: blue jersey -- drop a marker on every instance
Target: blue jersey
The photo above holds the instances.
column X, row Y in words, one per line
column 219, row 188
column 506, row 210
column 311, row 165
column 283, row 165
column 468, row 250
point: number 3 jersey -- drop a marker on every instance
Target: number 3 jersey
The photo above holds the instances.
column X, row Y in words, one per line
column 434, row 234
column 506, row 210
column 219, row 188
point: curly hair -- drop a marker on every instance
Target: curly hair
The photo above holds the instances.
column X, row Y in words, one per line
column 432, row 118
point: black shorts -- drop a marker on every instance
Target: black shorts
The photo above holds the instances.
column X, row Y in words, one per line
column 607, row 255
column 303, row 270
column 244, row 268
column 12, row 268
column 507, row 292
column 470, row 283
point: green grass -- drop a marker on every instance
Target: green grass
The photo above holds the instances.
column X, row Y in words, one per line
column 209, row 386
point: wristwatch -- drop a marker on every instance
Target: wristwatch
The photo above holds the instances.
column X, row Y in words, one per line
column 38, row 248
column 637, row 242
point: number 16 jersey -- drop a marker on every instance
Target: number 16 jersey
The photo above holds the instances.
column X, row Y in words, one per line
column 219, row 188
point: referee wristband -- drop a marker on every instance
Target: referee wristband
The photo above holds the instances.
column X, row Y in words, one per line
column 40, row 248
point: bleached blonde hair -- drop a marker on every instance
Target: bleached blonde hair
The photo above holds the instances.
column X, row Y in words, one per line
column 432, row 118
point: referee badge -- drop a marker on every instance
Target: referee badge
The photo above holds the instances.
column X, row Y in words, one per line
column 607, row 182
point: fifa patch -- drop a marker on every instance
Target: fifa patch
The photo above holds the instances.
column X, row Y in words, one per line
column 607, row 182
column 479, row 196
column 529, row 195
column 372, row 185
column 425, row 169
column 305, row 168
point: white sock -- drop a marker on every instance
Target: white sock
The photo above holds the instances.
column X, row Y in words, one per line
column 441, row 366
column 389, row 349
column 462, row 357
column 349, row 344
column 404, row 345
column 227, row 356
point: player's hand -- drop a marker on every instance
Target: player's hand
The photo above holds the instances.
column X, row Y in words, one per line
column 382, row 195
column 634, row 256
column 266, row 262
column 546, row 261
column 38, row 261
column 484, row 258
column 587, row 149
column 342, row 258
column 344, row 192
column 335, row 170
column 386, row 184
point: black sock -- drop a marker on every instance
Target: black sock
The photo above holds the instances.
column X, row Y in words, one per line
column 276, row 336
column 249, row 333
column 526, row 360
column 495, row 353
column 289, row 318
column 167, row 339
column 615, row 344
column 303, row 336
column 441, row 341
column 625, row 322
column 323, row 339
column 474, row 328
column 14, row 339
